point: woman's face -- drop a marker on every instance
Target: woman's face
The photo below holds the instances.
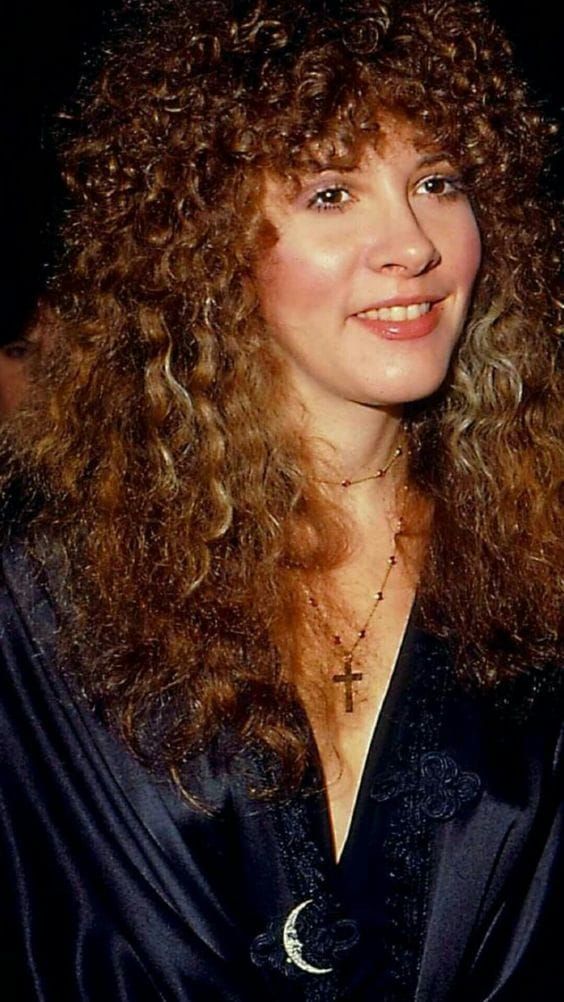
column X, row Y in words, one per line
column 14, row 358
column 368, row 285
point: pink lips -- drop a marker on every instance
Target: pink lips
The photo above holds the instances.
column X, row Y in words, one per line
column 404, row 330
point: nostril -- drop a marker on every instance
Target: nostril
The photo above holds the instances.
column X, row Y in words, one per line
column 412, row 257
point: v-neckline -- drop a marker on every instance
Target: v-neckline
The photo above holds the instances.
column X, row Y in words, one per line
column 375, row 747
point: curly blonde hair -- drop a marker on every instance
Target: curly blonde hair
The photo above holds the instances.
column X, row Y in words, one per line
column 156, row 452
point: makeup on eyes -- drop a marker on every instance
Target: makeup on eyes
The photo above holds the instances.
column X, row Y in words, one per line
column 332, row 190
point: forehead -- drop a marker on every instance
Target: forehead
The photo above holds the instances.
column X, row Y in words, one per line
column 393, row 139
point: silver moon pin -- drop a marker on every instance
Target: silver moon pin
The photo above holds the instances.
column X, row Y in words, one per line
column 293, row 945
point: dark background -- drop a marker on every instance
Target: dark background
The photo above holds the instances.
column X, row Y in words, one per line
column 42, row 54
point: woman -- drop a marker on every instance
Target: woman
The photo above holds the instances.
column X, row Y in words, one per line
column 14, row 359
column 306, row 369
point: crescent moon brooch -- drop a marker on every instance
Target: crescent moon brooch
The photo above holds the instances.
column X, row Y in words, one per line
column 293, row 946
column 296, row 947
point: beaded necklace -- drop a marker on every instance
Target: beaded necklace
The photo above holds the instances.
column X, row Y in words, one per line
column 347, row 676
column 381, row 472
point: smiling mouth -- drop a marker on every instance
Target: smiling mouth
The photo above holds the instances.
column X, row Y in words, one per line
column 402, row 323
column 397, row 313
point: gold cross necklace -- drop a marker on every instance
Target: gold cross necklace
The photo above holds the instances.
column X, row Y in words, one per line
column 347, row 676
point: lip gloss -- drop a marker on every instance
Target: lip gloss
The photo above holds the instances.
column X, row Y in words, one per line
column 403, row 330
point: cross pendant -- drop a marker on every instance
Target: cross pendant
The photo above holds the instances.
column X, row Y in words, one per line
column 347, row 677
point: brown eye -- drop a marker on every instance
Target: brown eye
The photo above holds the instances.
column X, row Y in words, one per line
column 335, row 197
column 440, row 185
column 16, row 350
column 435, row 185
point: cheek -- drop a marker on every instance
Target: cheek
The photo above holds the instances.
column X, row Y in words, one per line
column 467, row 253
column 298, row 277
column 13, row 384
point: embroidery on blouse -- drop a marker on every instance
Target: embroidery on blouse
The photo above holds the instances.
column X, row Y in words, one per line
column 422, row 785
column 310, row 941
column 426, row 786
column 441, row 787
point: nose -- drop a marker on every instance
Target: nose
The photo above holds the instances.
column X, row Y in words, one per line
column 398, row 243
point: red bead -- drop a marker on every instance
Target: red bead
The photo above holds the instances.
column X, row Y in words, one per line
column 392, row 561
column 362, row 634
column 337, row 640
column 345, row 483
column 379, row 596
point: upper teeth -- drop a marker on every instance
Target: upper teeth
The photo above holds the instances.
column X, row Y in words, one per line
column 397, row 312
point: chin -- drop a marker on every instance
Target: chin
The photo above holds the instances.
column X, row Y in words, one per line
column 407, row 389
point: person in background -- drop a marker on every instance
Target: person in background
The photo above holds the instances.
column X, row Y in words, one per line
column 14, row 357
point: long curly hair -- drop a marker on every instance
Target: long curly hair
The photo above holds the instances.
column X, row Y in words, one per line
column 155, row 456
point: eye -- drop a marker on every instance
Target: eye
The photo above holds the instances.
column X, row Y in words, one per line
column 333, row 197
column 440, row 185
column 16, row 349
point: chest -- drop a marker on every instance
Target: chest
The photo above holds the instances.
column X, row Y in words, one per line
column 360, row 681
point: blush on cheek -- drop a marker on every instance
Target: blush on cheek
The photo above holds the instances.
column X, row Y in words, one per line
column 300, row 279
column 283, row 284
column 472, row 253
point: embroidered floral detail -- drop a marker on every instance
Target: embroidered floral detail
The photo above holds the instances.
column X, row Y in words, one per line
column 447, row 788
column 407, row 785
column 443, row 789
column 309, row 941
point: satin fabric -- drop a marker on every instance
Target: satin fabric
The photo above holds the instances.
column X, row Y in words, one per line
column 114, row 887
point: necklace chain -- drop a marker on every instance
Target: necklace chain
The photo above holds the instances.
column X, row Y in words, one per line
column 381, row 472
column 348, row 676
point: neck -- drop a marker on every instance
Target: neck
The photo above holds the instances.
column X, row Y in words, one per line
column 353, row 440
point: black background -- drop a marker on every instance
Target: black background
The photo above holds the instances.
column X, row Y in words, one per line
column 43, row 45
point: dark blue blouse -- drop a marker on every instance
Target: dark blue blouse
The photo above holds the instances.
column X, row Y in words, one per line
column 116, row 889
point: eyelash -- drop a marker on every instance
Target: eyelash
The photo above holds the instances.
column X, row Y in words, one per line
column 327, row 206
column 454, row 182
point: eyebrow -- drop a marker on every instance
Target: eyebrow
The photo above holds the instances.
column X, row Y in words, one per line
column 434, row 158
column 312, row 175
column 427, row 160
column 323, row 168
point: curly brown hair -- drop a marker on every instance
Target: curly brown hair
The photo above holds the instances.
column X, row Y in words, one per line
column 156, row 451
